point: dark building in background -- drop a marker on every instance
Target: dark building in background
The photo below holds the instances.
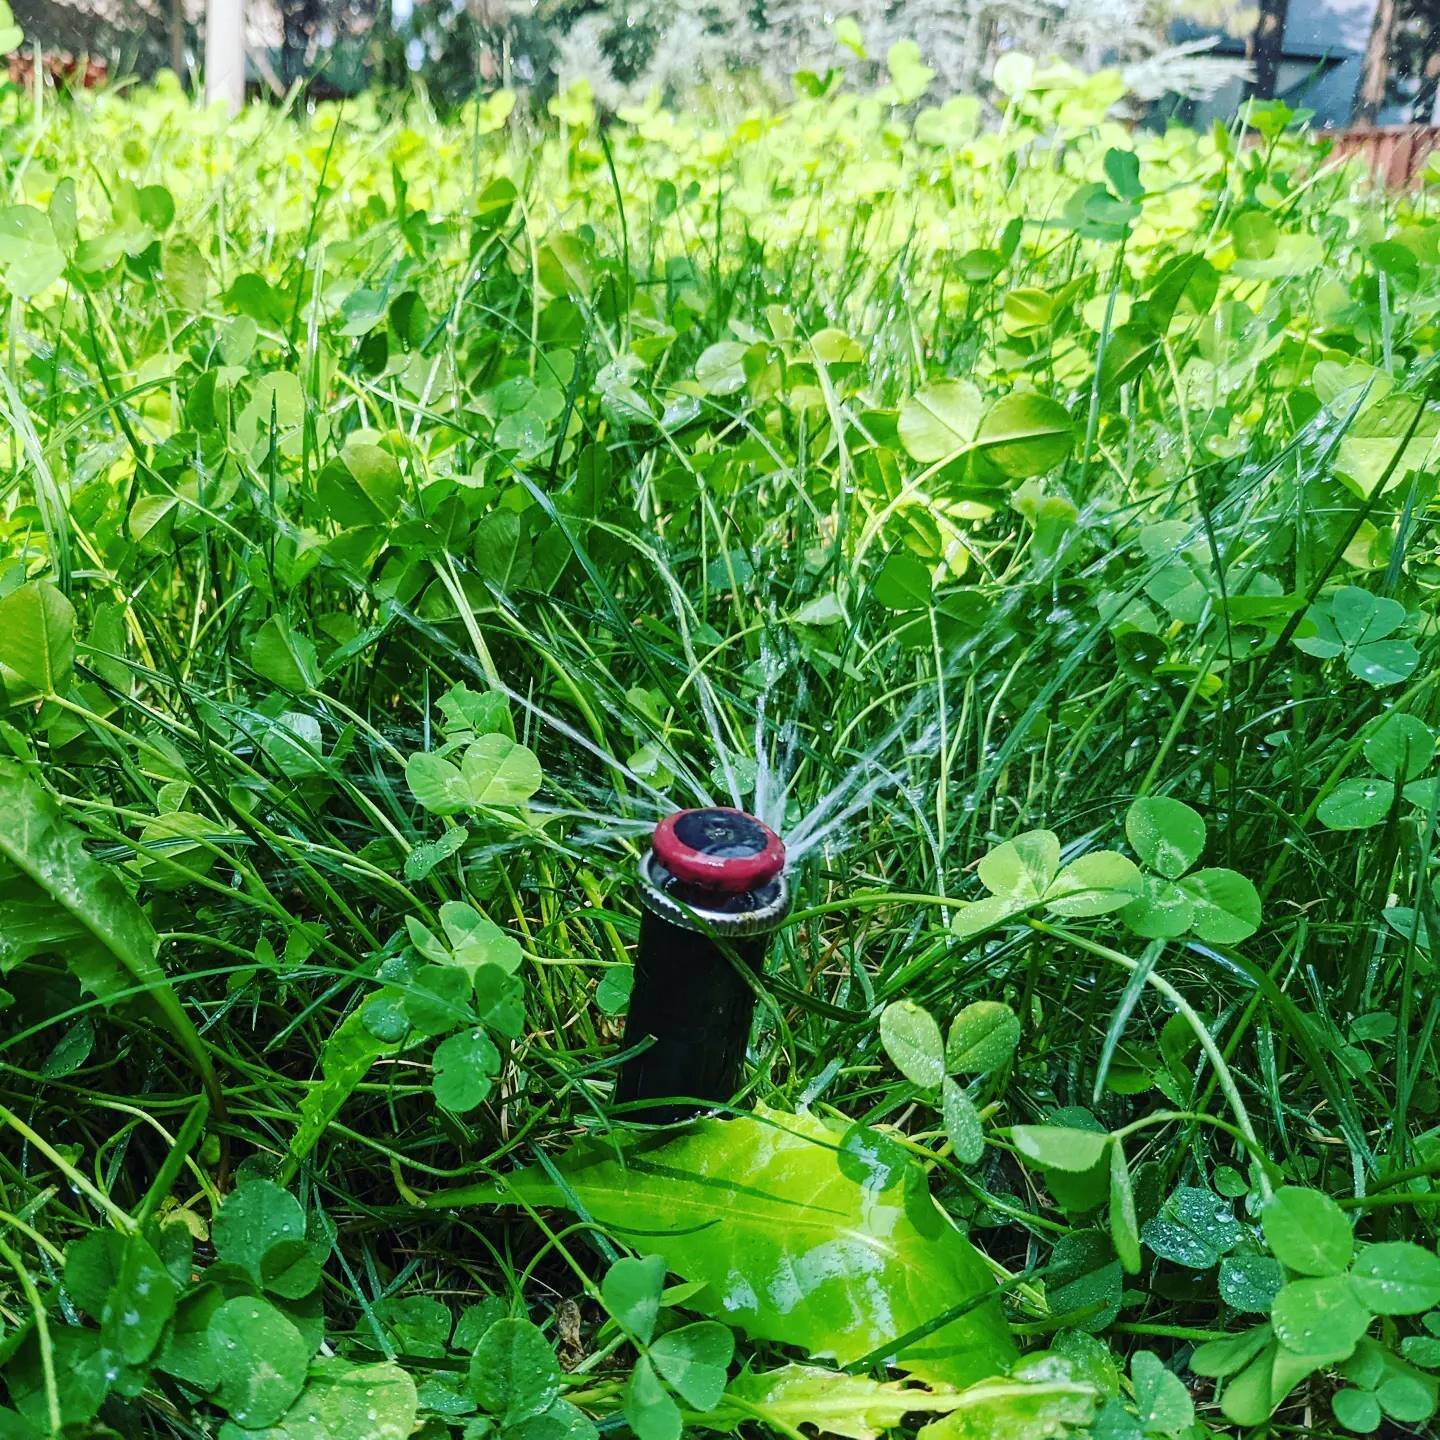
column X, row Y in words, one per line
column 1309, row 53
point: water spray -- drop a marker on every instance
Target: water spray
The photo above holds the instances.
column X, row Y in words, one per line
column 713, row 888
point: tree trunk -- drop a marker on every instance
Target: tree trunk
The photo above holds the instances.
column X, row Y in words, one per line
column 1267, row 45
column 1375, row 70
column 177, row 38
column 225, row 53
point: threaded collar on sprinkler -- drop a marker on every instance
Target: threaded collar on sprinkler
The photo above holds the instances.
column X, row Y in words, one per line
column 717, row 866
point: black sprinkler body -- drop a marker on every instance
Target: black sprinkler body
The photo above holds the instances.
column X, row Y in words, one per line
column 713, row 888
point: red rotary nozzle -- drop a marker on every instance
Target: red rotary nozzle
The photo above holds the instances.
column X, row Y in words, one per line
column 719, row 848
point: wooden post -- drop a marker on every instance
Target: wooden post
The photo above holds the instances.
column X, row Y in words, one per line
column 1375, row 71
column 225, row 52
column 1267, row 45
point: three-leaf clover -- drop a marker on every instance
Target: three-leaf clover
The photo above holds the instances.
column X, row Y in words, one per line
column 691, row 1361
column 982, row 1038
column 1398, row 753
column 493, row 771
column 1217, row 905
column 1025, row 874
column 1361, row 627
column 1320, row 1316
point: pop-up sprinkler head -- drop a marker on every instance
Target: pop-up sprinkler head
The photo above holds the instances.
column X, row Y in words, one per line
column 713, row 886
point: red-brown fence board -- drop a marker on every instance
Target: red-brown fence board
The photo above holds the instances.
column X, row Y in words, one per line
column 1394, row 152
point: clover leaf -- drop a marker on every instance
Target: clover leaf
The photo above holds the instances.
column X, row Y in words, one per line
column 1025, row 872
column 493, row 771
column 1217, row 905
column 1398, row 751
column 1360, row 626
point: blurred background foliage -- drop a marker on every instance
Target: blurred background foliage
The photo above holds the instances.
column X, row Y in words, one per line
column 627, row 50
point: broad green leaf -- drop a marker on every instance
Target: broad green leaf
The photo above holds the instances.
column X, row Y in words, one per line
column 362, row 486
column 1084, row 1282
column 261, row 1360
column 75, row 907
column 1423, row 1350
column 694, row 1361
column 1383, row 662
column 1060, row 1147
column 1095, row 884
column 435, row 999
column 503, row 552
column 256, row 1217
column 344, row 1062
column 849, row 34
column 744, row 1205
column 278, row 400
column 1022, row 869
column 1410, row 1399
column 437, row 784
column 468, row 714
column 1161, row 909
column 1307, row 1231
column 631, row 1291
column 983, row 1036
column 720, row 370
column 1363, row 460
column 1250, row 1282
column 92, row 1267
column 430, row 853
column 912, row 1041
column 514, row 1374
column 1167, row 834
column 499, row 772
column 1122, row 170
column 962, row 1123
column 903, row 583
column 1026, row 433
column 940, row 419
column 652, row 1414
column 975, row 917
column 1356, row 1410
column 910, row 77
column 1256, row 1392
column 1356, row 804
column 1362, row 618
column 1194, row 1228
column 871, row 1158
column 187, row 275
column 283, row 657
column 139, row 1304
column 1219, row 1358
column 261, row 1229
column 1044, row 1398
column 1397, row 1277
column 1013, row 73
column 1226, row 906
column 30, row 256
column 1319, row 1316
column 472, row 940
column 855, row 1407
column 465, row 1069
column 1249, row 1398
column 342, row 1401
column 1401, row 747
column 418, row 1324
column 1163, row 1402
column 1028, row 310
column 37, row 642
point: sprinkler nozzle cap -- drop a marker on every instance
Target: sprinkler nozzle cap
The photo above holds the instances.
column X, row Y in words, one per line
column 719, row 849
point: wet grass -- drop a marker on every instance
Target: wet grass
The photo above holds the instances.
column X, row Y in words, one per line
column 683, row 571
